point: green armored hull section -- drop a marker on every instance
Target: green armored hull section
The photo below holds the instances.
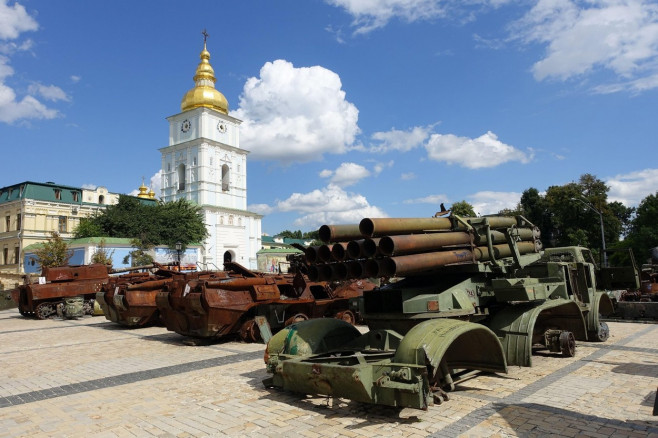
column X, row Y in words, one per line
column 470, row 295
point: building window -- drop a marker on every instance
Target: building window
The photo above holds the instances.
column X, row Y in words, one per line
column 5, row 256
column 18, row 222
column 58, row 194
column 194, row 161
column 7, row 223
column 16, row 254
column 62, row 224
column 101, row 199
column 75, row 196
column 181, row 177
column 225, row 177
column 230, row 220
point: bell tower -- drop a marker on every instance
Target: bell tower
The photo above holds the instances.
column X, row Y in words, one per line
column 205, row 164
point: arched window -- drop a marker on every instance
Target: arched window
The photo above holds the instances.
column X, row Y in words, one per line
column 228, row 257
column 181, row 177
column 101, row 199
column 225, row 177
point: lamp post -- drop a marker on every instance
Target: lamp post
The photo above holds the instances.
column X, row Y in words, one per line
column 179, row 246
column 590, row 206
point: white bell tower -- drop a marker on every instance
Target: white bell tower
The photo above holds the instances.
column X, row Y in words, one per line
column 205, row 164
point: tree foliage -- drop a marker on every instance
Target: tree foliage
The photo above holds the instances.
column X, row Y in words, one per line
column 462, row 208
column 571, row 214
column 54, row 252
column 140, row 256
column 102, row 254
column 160, row 224
column 643, row 230
column 290, row 234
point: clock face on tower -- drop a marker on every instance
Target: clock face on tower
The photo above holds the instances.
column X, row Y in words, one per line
column 221, row 127
column 185, row 126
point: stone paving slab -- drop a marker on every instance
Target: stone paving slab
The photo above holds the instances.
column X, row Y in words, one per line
column 91, row 377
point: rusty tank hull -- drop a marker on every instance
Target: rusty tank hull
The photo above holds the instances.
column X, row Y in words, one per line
column 47, row 298
column 214, row 308
column 130, row 299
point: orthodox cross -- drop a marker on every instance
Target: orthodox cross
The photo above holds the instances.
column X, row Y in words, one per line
column 205, row 35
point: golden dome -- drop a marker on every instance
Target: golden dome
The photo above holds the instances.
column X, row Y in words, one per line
column 204, row 93
column 143, row 191
column 151, row 194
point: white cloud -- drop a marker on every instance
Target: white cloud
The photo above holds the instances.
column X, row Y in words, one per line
column 89, row 186
column 263, row 209
column 402, row 141
column 295, row 114
column 584, row 36
column 407, row 176
column 631, row 188
column 484, row 151
column 329, row 205
column 326, row 173
column 75, row 79
column 379, row 166
column 348, row 174
column 430, row 199
column 14, row 20
column 369, row 15
column 48, row 92
column 488, row 202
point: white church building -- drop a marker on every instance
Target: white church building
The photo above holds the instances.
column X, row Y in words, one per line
column 205, row 164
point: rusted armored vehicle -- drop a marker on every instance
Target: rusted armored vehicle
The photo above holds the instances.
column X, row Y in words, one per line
column 67, row 291
column 474, row 294
column 217, row 307
column 130, row 299
column 639, row 302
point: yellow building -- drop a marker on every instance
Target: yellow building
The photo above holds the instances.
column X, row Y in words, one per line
column 30, row 211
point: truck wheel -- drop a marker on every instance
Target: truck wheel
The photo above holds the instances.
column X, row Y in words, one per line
column 567, row 344
column 602, row 334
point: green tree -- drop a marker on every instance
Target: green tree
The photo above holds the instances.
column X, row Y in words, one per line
column 54, row 252
column 643, row 232
column 140, row 255
column 102, row 254
column 87, row 227
column 290, row 234
column 160, row 224
column 569, row 214
column 462, row 208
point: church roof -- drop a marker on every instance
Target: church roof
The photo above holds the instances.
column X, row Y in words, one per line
column 204, row 94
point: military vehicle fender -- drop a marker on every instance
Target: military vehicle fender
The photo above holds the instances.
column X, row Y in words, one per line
column 312, row 336
column 516, row 325
column 448, row 344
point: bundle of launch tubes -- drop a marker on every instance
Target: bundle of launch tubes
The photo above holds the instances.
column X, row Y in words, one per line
column 388, row 247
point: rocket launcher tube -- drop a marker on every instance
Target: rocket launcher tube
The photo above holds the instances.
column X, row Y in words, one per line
column 338, row 233
column 415, row 243
column 370, row 227
column 386, row 226
column 419, row 263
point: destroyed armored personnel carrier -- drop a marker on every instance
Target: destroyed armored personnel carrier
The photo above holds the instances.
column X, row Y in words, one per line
column 474, row 294
column 66, row 291
column 130, row 299
column 217, row 307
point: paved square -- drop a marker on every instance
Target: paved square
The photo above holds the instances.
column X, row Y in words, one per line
column 91, row 377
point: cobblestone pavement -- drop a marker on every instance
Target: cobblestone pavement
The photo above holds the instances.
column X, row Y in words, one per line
column 91, row 377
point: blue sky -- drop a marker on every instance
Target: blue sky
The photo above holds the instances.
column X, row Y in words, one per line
column 351, row 108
